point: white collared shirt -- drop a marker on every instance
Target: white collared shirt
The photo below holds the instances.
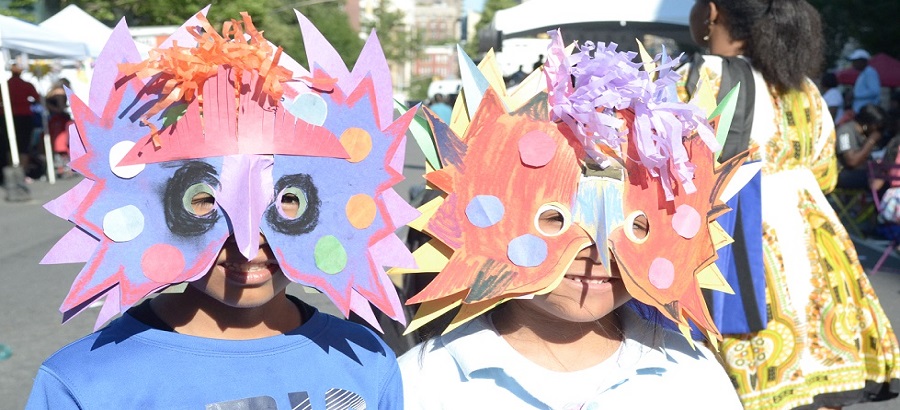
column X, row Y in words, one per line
column 473, row 367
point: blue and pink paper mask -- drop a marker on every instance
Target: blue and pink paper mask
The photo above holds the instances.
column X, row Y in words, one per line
column 152, row 137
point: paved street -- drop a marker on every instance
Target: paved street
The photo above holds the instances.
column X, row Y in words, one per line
column 32, row 293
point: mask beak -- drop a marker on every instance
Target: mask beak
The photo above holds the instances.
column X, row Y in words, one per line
column 247, row 190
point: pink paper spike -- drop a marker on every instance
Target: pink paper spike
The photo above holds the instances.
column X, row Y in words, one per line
column 67, row 203
column 372, row 62
column 400, row 212
column 76, row 246
column 111, row 307
column 396, row 308
column 399, row 157
column 361, row 307
column 76, row 147
column 320, row 53
column 182, row 36
column 119, row 49
column 391, row 251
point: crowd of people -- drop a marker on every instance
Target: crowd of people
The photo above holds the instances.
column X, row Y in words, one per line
column 596, row 240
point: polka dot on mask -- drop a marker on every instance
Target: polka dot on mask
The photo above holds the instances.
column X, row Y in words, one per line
column 357, row 142
column 310, row 108
column 485, row 210
column 330, row 255
column 686, row 221
column 123, row 224
column 662, row 273
column 116, row 153
column 361, row 211
column 162, row 263
column 536, row 148
column 527, row 251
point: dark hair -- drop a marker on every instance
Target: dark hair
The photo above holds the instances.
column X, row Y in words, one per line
column 870, row 115
column 782, row 38
column 829, row 80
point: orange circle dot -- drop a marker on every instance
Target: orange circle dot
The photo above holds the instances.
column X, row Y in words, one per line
column 361, row 211
column 357, row 142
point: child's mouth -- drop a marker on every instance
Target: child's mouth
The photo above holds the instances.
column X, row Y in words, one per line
column 588, row 280
column 250, row 273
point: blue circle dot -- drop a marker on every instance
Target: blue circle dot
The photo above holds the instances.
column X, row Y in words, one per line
column 527, row 251
column 309, row 107
column 485, row 210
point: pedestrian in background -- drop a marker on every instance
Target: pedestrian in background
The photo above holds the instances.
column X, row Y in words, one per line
column 867, row 88
column 21, row 94
column 826, row 342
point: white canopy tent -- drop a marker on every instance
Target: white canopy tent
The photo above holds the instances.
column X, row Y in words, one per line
column 77, row 25
column 596, row 20
column 19, row 37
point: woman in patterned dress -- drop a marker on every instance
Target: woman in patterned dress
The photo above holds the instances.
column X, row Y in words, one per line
column 825, row 341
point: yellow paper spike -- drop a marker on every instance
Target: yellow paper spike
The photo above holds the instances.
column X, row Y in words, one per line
column 491, row 71
column 713, row 339
column 459, row 117
column 704, row 97
column 427, row 211
column 720, row 238
column 470, row 311
column 686, row 332
column 711, row 277
column 649, row 65
column 431, row 310
column 428, row 169
column 431, row 257
column 533, row 84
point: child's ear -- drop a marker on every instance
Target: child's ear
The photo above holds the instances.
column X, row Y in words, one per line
column 713, row 13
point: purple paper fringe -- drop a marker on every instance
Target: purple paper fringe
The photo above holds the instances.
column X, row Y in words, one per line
column 610, row 81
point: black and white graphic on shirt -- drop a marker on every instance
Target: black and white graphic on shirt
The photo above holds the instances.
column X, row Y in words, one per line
column 335, row 399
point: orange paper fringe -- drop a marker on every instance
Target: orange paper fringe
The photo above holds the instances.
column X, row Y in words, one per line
column 181, row 72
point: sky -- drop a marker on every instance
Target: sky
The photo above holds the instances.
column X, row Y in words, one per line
column 474, row 5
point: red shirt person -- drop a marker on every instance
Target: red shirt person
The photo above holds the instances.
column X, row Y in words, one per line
column 21, row 94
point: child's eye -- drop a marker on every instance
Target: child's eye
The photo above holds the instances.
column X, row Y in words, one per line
column 189, row 199
column 290, row 205
column 203, row 203
column 641, row 226
column 293, row 202
column 295, row 210
column 551, row 221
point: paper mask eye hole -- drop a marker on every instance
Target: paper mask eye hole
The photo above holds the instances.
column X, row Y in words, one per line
column 199, row 199
column 296, row 207
column 292, row 203
column 637, row 227
column 189, row 199
column 552, row 219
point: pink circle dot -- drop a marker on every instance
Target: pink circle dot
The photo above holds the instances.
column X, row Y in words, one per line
column 162, row 263
column 662, row 273
column 536, row 148
column 686, row 221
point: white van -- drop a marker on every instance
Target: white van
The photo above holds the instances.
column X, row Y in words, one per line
column 445, row 87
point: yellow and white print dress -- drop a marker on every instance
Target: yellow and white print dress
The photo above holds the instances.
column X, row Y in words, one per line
column 828, row 341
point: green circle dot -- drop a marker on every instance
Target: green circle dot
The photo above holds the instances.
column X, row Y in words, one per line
column 330, row 255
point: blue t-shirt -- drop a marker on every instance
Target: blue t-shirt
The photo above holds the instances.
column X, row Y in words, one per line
column 326, row 363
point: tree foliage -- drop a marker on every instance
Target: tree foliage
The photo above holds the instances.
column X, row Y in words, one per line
column 275, row 17
column 873, row 23
column 20, row 9
column 400, row 42
column 487, row 16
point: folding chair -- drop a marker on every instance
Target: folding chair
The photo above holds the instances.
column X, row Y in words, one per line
column 890, row 174
column 854, row 208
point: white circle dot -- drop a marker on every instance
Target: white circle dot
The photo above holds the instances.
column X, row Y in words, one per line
column 123, row 224
column 116, row 153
